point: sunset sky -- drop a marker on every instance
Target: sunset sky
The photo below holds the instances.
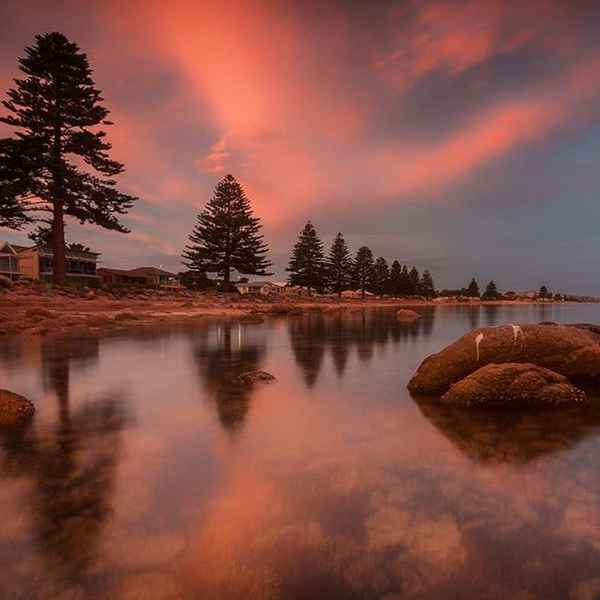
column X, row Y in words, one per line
column 463, row 137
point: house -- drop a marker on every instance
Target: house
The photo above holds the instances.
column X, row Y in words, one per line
column 121, row 277
column 157, row 277
column 142, row 276
column 9, row 260
column 296, row 290
column 36, row 263
column 264, row 288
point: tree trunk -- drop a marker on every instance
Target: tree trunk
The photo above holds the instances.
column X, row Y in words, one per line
column 59, row 261
column 227, row 277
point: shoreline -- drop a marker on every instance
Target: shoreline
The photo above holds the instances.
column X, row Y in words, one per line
column 45, row 311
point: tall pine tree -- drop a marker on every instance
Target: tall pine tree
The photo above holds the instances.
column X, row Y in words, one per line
column 405, row 282
column 363, row 269
column 426, row 286
column 58, row 164
column 227, row 236
column 307, row 263
column 413, row 282
column 395, row 279
column 339, row 265
column 380, row 279
column 491, row 291
column 473, row 289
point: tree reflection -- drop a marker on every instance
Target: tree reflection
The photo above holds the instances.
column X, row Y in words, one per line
column 221, row 354
column 308, row 334
column 70, row 464
column 512, row 437
column 339, row 332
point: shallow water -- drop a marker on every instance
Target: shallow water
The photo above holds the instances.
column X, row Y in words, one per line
column 148, row 474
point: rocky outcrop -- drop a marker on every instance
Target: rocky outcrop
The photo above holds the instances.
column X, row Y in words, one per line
column 14, row 409
column 405, row 314
column 570, row 351
column 252, row 377
column 513, row 385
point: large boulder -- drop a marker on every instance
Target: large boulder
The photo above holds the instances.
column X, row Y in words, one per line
column 513, row 385
column 570, row 351
column 14, row 409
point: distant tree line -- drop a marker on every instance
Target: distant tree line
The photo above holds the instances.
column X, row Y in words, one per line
column 338, row 270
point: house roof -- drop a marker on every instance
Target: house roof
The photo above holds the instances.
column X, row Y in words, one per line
column 150, row 271
column 7, row 246
column 106, row 270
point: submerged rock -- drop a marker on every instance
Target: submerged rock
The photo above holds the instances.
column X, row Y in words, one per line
column 14, row 409
column 405, row 314
column 255, row 377
column 570, row 351
column 513, row 385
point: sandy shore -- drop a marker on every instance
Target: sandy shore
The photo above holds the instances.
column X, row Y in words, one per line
column 30, row 310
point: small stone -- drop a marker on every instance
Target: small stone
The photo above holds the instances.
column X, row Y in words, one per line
column 405, row 314
column 255, row 377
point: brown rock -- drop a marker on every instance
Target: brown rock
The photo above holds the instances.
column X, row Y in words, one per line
column 405, row 314
column 14, row 409
column 513, row 385
column 570, row 351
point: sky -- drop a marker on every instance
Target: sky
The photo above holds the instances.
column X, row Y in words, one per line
column 458, row 136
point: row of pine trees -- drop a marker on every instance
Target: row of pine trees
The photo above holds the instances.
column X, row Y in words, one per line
column 311, row 268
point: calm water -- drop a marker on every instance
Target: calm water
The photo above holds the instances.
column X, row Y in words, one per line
column 147, row 474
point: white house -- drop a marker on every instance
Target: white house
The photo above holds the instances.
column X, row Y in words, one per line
column 264, row 288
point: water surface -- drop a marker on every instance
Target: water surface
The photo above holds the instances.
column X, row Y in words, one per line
column 149, row 474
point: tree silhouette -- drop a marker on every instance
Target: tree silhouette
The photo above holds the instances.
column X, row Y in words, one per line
column 405, row 282
column 55, row 108
column 426, row 286
column 491, row 291
column 339, row 265
column 414, row 281
column 380, row 277
column 227, row 235
column 395, row 279
column 473, row 289
column 363, row 268
column 307, row 264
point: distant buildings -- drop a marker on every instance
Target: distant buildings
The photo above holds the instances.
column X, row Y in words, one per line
column 35, row 263
column 142, row 276
column 264, row 288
